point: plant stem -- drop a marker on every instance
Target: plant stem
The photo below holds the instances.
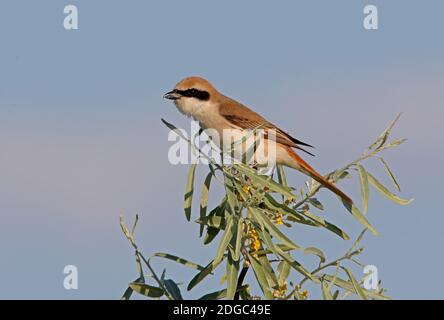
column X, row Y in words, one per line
column 348, row 256
column 240, row 280
column 340, row 171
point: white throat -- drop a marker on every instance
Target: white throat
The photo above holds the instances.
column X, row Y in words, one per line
column 193, row 108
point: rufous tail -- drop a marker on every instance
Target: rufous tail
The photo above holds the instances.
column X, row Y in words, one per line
column 305, row 168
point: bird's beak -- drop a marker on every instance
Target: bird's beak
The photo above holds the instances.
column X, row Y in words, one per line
column 172, row 95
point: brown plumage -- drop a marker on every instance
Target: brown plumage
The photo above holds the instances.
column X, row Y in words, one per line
column 196, row 97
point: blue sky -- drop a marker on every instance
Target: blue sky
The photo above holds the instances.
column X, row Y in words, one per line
column 82, row 142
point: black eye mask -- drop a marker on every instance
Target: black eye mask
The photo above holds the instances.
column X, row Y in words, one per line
column 194, row 93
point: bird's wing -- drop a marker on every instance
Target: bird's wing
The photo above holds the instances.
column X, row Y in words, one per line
column 243, row 117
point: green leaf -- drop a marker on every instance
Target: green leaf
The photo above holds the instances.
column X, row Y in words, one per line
column 251, row 151
column 262, row 218
column 126, row 231
column 232, row 272
column 364, row 187
column 212, row 221
column 204, row 200
column 261, row 277
column 385, row 192
column 189, row 189
column 173, row 289
column 335, row 295
column 381, row 140
column 264, row 181
column 358, row 240
column 220, row 294
column 396, row 143
column 175, row 129
column 293, row 263
column 146, row 290
column 316, row 203
column 272, row 204
column 223, row 244
column 347, row 285
column 216, row 222
column 217, row 295
column 233, row 203
column 326, row 294
column 133, row 229
column 357, row 287
column 299, row 217
column 284, row 269
column 127, row 294
column 237, row 240
column 281, row 175
column 281, row 246
column 213, row 231
column 268, row 270
column 179, row 260
column 390, row 173
column 211, row 234
column 139, row 268
column 324, row 223
column 202, row 274
column 353, row 209
column 316, row 252
column 335, row 277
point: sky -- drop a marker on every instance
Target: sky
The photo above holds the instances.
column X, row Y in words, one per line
column 81, row 141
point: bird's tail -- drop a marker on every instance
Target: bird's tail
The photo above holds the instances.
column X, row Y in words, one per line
column 305, row 168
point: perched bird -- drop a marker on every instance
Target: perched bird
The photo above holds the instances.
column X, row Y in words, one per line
column 197, row 98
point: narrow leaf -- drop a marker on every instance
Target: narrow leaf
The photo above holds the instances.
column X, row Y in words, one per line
column 146, row 290
column 204, row 200
column 189, row 189
column 173, row 289
column 326, row 294
column 179, row 260
column 353, row 209
column 284, row 269
column 324, row 223
column 390, row 173
column 279, row 252
column 316, row 203
column 127, row 294
column 272, row 228
column 211, row 234
column 355, row 283
column 224, row 241
column 220, row 294
column 264, row 181
column 316, row 252
column 380, row 141
column 202, row 274
column 385, row 192
column 347, row 285
column 281, row 176
column 260, row 276
column 363, row 179
column 232, row 272
column 238, row 240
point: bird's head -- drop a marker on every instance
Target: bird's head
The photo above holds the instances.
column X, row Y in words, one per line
column 192, row 95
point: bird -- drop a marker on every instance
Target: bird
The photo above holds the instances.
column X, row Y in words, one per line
column 197, row 98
